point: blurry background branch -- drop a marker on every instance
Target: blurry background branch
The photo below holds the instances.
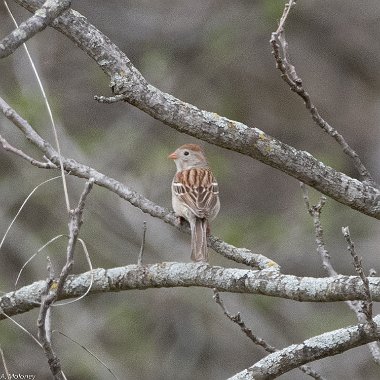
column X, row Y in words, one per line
column 208, row 126
column 168, row 275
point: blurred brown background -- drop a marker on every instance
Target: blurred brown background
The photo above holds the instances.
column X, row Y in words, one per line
column 216, row 55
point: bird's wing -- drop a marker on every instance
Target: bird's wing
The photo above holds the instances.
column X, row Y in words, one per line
column 198, row 189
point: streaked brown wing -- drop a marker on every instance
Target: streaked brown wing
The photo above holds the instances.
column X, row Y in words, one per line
column 198, row 189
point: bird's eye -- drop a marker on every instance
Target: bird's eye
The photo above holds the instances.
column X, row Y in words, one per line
column 186, row 153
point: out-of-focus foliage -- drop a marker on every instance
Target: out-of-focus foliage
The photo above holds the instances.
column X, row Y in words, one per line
column 216, row 55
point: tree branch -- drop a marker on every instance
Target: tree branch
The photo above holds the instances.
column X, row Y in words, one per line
column 38, row 22
column 257, row 340
column 361, row 309
column 48, row 296
column 208, row 126
column 169, row 275
column 9, row 148
column 290, row 76
column 53, row 288
column 315, row 212
column 318, row 347
column 367, row 304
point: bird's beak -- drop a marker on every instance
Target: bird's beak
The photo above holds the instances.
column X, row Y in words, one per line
column 173, row 156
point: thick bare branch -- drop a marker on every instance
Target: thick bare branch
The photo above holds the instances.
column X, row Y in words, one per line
column 318, row 347
column 168, row 275
column 240, row 255
column 208, row 126
column 38, row 22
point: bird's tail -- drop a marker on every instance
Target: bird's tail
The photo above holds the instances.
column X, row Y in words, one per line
column 199, row 240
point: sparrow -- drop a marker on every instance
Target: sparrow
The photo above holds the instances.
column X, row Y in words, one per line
column 195, row 195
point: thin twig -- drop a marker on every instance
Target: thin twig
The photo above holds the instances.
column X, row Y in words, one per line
column 54, row 288
column 315, row 213
column 237, row 319
column 355, row 305
column 67, row 4
column 289, row 75
column 74, row 226
column 367, row 304
column 51, row 273
column 22, row 206
column 42, row 165
column 20, row 326
column 47, row 297
column 110, row 99
column 4, row 364
column 50, row 268
column 255, row 339
column 139, row 260
column 91, row 277
column 87, row 255
column 35, row 254
column 88, row 351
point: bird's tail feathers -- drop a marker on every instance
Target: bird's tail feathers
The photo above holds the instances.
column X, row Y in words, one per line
column 199, row 240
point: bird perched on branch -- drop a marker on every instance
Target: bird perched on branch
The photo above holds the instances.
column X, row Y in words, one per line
column 195, row 195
